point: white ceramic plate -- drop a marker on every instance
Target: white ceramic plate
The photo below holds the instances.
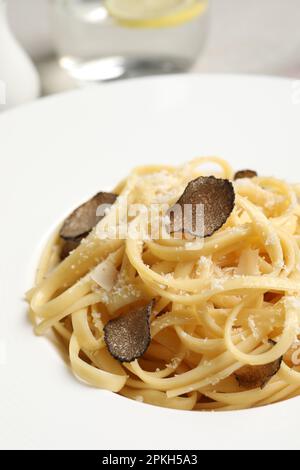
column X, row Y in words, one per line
column 59, row 151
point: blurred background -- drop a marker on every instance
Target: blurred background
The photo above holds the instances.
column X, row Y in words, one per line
column 243, row 36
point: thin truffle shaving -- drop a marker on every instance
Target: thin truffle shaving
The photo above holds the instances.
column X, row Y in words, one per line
column 257, row 376
column 213, row 197
column 82, row 221
column 245, row 174
column 128, row 336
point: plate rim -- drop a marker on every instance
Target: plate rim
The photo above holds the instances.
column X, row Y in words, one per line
column 69, row 94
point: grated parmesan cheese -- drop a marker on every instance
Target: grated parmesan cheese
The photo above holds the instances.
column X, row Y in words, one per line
column 271, row 240
column 174, row 363
column 217, row 284
column 96, row 317
column 252, row 326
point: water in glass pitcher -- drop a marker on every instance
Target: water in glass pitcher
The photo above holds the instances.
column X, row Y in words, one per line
column 110, row 39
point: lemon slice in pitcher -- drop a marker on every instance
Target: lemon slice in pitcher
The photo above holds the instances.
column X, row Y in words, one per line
column 155, row 13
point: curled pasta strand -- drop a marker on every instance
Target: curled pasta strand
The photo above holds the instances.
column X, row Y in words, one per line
column 83, row 333
column 284, row 343
column 96, row 377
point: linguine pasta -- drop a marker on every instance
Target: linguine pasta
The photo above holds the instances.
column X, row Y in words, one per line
column 219, row 304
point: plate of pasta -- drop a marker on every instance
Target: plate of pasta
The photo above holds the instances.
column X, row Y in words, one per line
column 151, row 266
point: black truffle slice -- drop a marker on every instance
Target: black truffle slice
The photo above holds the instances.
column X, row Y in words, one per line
column 245, row 174
column 211, row 201
column 80, row 223
column 128, row 336
column 257, row 376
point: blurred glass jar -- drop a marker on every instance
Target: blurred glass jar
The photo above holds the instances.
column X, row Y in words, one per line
column 109, row 39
